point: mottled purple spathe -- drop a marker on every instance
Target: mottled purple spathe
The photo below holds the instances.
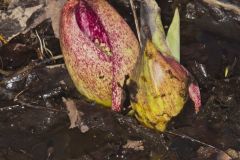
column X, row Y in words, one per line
column 97, row 75
column 90, row 24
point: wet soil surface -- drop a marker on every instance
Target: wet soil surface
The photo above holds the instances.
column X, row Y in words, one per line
column 34, row 124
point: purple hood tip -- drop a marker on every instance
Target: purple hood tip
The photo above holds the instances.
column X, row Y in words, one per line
column 194, row 93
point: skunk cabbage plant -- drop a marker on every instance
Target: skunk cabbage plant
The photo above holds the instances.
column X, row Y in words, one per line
column 99, row 49
column 163, row 84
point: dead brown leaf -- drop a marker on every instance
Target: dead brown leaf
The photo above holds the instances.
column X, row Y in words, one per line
column 75, row 116
column 53, row 11
column 135, row 145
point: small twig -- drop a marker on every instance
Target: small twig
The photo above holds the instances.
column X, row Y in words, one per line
column 226, row 6
column 133, row 7
column 23, row 72
column 43, row 48
column 19, row 74
column 50, row 60
column 32, row 106
column 26, row 153
column 41, row 44
column 193, row 140
column 57, row 57
column 5, row 73
column 19, row 94
column 55, row 66
column 7, row 108
column 38, row 107
column 46, row 49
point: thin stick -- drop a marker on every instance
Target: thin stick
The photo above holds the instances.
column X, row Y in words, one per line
column 194, row 140
column 38, row 107
column 50, row 60
column 133, row 7
column 46, row 49
column 7, row 108
column 41, row 44
column 23, row 72
column 55, row 66
column 5, row 73
column 26, row 153
column 19, row 94
column 57, row 57
column 227, row 6
column 30, row 105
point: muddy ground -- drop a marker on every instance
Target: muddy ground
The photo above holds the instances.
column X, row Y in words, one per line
column 34, row 124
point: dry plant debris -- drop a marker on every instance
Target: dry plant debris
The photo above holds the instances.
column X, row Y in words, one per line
column 75, row 116
column 135, row 145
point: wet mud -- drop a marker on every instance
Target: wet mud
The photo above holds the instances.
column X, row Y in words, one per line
column 34, row 124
